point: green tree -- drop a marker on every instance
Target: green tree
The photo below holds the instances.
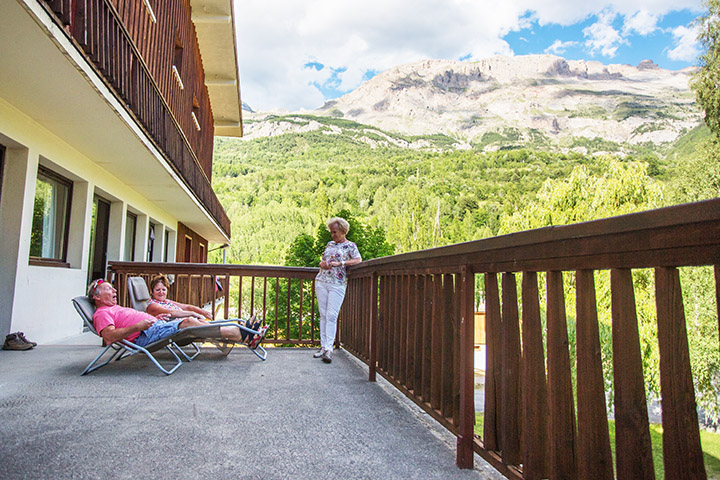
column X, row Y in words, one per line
column 624, row 188
column 301, row 252
column 705, row 83
column 305, row 251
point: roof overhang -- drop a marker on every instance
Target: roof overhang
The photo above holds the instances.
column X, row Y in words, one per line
column 215, row 27
column 47, row 79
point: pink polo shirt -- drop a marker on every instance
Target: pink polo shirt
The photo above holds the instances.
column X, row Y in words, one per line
column 119, row 317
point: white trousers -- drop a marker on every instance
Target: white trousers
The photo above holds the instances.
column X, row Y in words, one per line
column 330, row 298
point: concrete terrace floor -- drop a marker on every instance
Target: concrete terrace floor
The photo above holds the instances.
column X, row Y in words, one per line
column 217, row 417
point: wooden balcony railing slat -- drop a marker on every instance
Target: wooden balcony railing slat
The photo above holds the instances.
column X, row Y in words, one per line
column 447, row 329
column 412, row 315
column 436, row 335
column 560, row 391
column 457, row 349
column 397, row 326
column 226, row 294
column 418, row 301
column 404, row 321
column 428, row 308
column 390, row 344
column 364, row 316
column 535, row 402
column 349, row 324
column 287, row 323
column 300, row 309
column 632, row 432
column 493, row 364
column 240, row 282
column 594, row 458
column 466, row 389
column 252, row 297
column 374, row 287
column 510, row 375
column 380, row 334
column 682, row 452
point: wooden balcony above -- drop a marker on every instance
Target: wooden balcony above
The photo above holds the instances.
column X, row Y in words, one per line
column 151, row 64
column 215, row 28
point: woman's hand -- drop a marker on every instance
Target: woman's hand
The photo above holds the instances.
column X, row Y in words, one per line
column 324, row 265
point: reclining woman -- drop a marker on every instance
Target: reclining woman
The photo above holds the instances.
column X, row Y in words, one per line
column 114, row 323
column 159, row 304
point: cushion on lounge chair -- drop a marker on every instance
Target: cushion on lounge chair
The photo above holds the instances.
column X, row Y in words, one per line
column 139, row 293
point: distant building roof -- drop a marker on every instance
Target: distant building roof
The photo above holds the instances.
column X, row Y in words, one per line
column 215, row 26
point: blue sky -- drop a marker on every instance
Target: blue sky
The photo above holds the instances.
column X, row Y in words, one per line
column 632, row 48
column 297, row 55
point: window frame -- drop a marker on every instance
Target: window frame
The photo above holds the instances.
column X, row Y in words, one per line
column 62, row 261
column 2, row 167
column 134, row 217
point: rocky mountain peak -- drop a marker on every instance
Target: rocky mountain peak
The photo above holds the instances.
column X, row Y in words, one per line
column 539, row 96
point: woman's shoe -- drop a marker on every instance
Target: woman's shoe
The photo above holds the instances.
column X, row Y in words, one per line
column 258, row 338
column 319, row 353
column 327, row 356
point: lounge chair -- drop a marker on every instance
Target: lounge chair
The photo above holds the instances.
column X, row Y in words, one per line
column 140, row 297
column 124, row 348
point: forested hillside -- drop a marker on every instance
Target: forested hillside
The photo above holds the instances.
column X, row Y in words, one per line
column 278, row 187
column 274, row 188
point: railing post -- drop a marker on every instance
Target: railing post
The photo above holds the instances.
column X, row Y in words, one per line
column 632, row 432
column 682, row 452
column 373, row 327
column 534, row 399
column 467, row 387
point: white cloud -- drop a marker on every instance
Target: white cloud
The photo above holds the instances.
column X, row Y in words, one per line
column 559, row 47
column 642, row 22
column 602, row 36
column 277, row 38
column 687, row 47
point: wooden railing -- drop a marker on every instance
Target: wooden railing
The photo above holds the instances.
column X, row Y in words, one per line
column 283, row 296
column 111, row 35
column 410, row 317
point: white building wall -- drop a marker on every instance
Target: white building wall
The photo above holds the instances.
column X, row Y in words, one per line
column 36, row 299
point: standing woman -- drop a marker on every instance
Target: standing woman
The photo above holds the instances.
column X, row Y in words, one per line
column 331, row 281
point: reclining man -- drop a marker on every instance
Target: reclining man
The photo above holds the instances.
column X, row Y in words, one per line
column 114, row 322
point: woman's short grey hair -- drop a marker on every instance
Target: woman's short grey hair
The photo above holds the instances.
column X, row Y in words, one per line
column 340, row 222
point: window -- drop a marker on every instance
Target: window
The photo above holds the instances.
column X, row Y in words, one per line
column 130, row 226
column 167, row 246
column 51, row 218
column 99, row 232
column 188, row 248
column 151, row 242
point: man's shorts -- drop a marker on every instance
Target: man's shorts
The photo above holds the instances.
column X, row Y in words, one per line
column 157, row 331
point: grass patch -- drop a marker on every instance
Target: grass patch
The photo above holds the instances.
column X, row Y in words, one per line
column 710, row 445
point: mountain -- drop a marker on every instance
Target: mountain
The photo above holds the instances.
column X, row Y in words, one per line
column 536, row 101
